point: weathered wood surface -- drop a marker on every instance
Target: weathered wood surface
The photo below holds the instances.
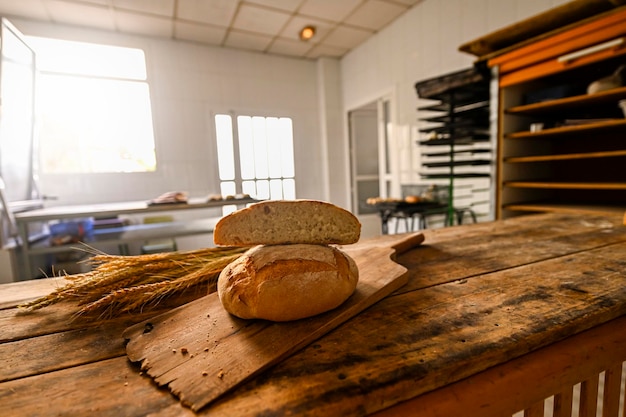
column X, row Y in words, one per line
column 552, row 21
column 548, row 369
column 199, row 351
column 15, row 293
column 478, row 295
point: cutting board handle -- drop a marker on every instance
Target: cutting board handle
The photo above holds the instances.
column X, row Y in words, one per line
column 409, row 243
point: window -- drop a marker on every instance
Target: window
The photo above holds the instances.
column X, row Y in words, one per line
column 255, row 156
column 93, row 107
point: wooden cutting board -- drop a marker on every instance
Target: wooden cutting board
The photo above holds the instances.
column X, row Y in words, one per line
column 200, row 352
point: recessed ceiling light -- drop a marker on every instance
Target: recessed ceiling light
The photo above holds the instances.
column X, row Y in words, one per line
column 307, row 33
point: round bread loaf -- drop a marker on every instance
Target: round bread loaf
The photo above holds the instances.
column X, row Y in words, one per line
column 287, row 282
column 279, row 222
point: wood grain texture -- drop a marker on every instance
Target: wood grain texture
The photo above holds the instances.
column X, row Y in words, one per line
column 15, row 293
column 107, row 388
column 437, row 336
column 199, row 351
column 478, row 296
column 552, row 21
column 471, row 250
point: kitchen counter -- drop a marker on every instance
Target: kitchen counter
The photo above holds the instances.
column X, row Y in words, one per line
column 122, row 234
column 495, row 317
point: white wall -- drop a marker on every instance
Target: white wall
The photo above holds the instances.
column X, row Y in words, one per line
column 422, row 44
column 189, row 83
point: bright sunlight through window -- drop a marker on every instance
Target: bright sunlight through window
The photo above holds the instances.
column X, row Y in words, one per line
column 94, row 108
column 259, row 160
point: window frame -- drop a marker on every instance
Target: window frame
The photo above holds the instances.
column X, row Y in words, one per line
column 238, row 178
column 136, row 80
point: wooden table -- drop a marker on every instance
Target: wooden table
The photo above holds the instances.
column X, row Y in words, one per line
column 495, row 318
column 408, row 212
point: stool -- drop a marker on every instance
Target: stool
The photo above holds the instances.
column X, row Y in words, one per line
column 408, row 218
column 460, row 214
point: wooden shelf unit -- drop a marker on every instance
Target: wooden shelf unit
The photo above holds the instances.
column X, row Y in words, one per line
column 560, row 148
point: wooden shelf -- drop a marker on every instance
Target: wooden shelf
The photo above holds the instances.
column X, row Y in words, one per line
column 570, row 103
column 569, row 130
column 575, row 163
column 566, row 208
column 565, row 157
column 567, row 185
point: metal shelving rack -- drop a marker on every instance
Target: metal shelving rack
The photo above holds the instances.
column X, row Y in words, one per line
column 460, row 121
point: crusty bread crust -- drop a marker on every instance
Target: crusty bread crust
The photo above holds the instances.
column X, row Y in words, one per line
column 278, row 222
column 287, row 282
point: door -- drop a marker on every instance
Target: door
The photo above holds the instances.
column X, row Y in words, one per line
column 370, row 131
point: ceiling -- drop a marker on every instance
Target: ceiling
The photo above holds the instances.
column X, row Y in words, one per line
column 269, row 26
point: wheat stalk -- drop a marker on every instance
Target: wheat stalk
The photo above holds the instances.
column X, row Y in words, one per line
column 122, row 284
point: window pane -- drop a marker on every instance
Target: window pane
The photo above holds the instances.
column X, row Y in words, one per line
column 263, row 189
column 112, row 133
column 227, row 188
column 260, row 147
column 249, row 187
column 286, row 147
column 289, row 189
column 225, row 154
column 56, row 55
column 94, row 106
column 265, row 155
column 274, row 147
column 17, row 112
column 246, row 147
column 276, row 189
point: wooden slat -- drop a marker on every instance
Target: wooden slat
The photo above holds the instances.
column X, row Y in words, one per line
column 589, row 397
column 568, row 185
column 23, row 358
column 553, row 207
column 612, row 383
column 563, row 403
column 109, row 388
column 561, row 104
column 15, row 293
column 564, row 157
column 471, row 250
column 554, row 67
column 576, row 37
column 17, row 324
column 540, row 58
column 569, row 130
column 535, row 410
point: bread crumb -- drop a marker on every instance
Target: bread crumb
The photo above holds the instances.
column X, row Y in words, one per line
column 204, row 373
column 173, row 350
column 184, row 351
column 220, row 374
